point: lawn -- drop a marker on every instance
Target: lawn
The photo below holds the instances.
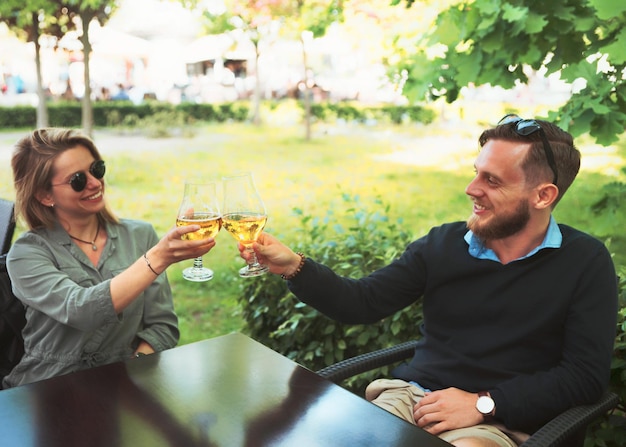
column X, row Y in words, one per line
column 421, row 171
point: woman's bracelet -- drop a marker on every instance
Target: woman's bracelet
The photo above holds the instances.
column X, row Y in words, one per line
column 293, row 275
column 149, row 265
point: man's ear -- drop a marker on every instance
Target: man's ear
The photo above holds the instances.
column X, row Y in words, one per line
column 545, row 195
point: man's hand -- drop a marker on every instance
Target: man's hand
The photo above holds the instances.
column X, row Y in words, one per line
column 447, row 409
column 272, row 253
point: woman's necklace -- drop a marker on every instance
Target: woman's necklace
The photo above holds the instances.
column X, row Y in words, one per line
column 94, row 247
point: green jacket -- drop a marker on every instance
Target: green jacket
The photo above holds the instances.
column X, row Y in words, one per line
column 70, row 321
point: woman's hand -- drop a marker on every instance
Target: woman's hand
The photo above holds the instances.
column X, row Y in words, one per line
column 172, row 248
column 126, row 286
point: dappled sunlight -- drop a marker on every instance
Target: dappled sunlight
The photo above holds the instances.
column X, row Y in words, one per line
column 603, row 160
column 451, row 151
column 444, row 153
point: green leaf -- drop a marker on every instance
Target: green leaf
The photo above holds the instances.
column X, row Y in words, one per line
column 608, row 9
column 617, row 49
column 598, row 107
column 535, row 23
column 491, row 7
column 448, row 30
column 514, row 13
column 609, row 127
column 582, row 69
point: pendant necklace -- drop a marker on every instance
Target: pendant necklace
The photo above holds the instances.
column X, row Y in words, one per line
column 94, row 247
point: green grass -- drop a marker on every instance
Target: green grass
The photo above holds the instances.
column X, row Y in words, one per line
column 424, row 187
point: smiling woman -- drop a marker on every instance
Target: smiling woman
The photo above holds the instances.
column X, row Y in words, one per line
column 79, row 269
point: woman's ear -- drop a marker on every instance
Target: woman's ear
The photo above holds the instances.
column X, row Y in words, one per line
column 45, row 198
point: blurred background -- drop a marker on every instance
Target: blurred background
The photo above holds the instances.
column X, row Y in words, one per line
column 151, row 49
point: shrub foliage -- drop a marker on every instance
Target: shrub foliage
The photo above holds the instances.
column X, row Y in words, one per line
column 353, row 241
column 113, row 113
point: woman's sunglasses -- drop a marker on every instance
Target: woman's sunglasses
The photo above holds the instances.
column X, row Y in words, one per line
column 78, row 182
column 526, row 127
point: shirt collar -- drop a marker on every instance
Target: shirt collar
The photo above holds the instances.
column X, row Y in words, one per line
column 553, row 239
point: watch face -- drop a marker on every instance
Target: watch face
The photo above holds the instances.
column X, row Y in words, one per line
column 485, row 404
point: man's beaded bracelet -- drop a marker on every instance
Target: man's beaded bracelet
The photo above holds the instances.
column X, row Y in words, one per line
column 293, row 275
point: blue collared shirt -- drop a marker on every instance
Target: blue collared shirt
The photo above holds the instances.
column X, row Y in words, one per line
column 476, row 248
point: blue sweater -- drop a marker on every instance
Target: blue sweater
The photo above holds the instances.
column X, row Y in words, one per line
column 537, row 333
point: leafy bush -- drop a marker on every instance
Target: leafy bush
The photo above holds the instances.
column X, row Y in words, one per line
column 164, row 124
column 107, row 113
column 358, row 112
column 63, row 114
column 17, row 117
column 354, row 242
column 200, row 112
column 611, row 431
column 235, row 111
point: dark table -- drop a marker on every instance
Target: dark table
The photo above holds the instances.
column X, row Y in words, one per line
column 226, row 391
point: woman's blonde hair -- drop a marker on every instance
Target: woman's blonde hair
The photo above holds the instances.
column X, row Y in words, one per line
column 32, row 162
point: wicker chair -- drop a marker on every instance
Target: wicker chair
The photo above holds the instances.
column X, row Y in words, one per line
column 7, row 225
column 566, row 430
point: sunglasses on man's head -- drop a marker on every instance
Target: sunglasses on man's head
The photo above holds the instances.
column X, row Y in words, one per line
column 526, row 127
column 78, row 181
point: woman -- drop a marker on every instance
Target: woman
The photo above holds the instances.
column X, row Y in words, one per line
column 92, row 284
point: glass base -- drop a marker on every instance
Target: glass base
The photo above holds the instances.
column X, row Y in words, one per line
column 250, row 271
column 198, row 274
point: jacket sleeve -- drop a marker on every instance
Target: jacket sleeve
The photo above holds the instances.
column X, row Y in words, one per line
column 57, row 286
column 160, row 323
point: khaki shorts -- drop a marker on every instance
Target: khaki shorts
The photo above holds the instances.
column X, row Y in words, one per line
column 399, row 397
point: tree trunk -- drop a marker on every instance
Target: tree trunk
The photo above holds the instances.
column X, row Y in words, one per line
column 42, row 109
column 307, row 93
column 86, row 105
column 256, row 118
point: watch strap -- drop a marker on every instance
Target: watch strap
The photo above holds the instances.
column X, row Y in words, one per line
column 489, row 415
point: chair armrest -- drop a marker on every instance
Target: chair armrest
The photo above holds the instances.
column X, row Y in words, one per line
column 569, row 422
column 553, row 434
column 365, row 362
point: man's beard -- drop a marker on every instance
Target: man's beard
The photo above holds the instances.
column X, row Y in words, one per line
column 501, row 226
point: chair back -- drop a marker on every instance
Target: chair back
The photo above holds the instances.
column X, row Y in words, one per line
column 7, row 225
column 12, row 321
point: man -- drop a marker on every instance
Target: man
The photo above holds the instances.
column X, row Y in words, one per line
column 519, row 312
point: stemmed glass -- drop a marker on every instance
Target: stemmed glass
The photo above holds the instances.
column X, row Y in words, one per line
column 244, row 217
column 199, row 207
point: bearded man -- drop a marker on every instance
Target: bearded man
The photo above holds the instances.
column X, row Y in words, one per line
column 519, row 311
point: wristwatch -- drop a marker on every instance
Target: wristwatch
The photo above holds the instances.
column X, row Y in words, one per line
column 485, row 404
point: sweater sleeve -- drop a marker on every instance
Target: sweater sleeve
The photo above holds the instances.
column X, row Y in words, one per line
column 364, row 300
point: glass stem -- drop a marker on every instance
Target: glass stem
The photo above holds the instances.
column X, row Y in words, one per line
column 252, row 262
column 197, row 262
